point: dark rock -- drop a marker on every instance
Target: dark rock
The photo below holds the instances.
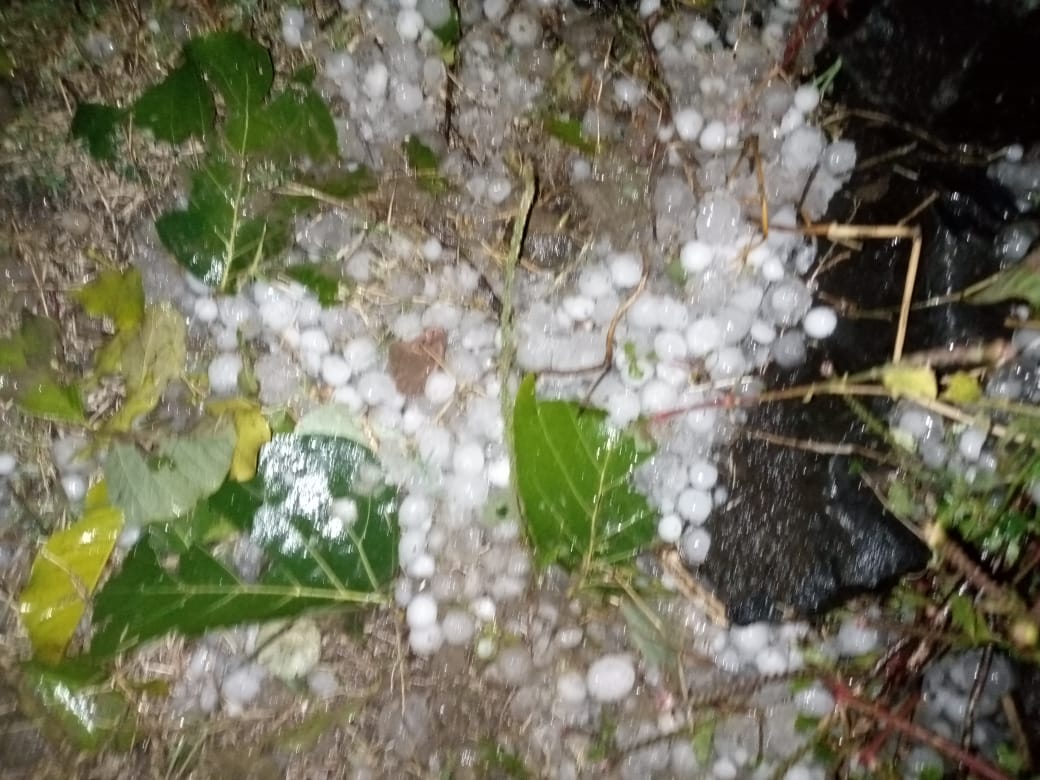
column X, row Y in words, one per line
column 810, row 534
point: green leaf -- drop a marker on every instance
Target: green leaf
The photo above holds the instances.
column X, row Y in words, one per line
column 76, row 702
column 450, row 32
column 64, row 574
column 320, row 279
column 178, row 107
column 238, row 68
column 295, row 124
column 32, row 346
column 98, row 126
column 118, row 295
column 170, row 583
column 213, row 238
column 332, row 420
column 42, row 394
column 569, row 132
column 168, row 484
column 252, row 432
column 1019, row 283
column 148, row 358
column 909, row 381
column 573, row 477
column 704, row 738
column 424, row 164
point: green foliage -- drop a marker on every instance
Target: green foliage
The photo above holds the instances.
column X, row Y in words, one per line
column 177, row 108
column 27, row 360
column 99, row 127
column 424, row 164
column 118, row 295
column 172, row 582
column 573, row 474
column 569, row 132
column 327, row 285
column 1018, row 283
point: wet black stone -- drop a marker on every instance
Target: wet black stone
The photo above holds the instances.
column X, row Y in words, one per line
column 810, row 534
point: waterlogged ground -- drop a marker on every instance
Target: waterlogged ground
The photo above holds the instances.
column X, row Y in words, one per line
column 368, row 387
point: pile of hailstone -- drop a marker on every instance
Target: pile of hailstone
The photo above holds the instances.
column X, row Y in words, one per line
column 742, row 302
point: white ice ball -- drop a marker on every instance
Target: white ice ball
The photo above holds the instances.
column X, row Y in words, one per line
column 610, row 678
column 713, row 136
column 8, row 464
column 335, row 371
column 440, row 387
column 377, row 77
column 524, row 30
column 820, row 322
column 703, row 474
column 688, row 123
column 694, row 505
column 703, row 336
column 806, row 98
column 696, row 256
column 427, row 640
column 223, row 373
column 421, row 611
column 695, row 543
column 626, row 270
column 670, row 528
column 410, row 24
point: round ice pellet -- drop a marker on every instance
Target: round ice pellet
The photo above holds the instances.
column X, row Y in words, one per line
column 669, row 528
column 377, row 78
column 468, row 459
column 314, row 340
column 415, row 511
column 703, row 336
column 695, row 543
column 334, row 370
column 657, row 396
column 426, row 640
column 421, row 611
column 694, row 505
column 703, row 474
column 696, row 256
column 625, row 270
column 8, row 464
column 458, row 627
column 820, row 322
column 670, row 345
column 610, row 678
column 345, row 509
column 277, row 313
column 205, row 310
column 713, row 137
column 688, row 123
column 806, row 98
column 578, row 307
column 727, row 363
column 971, row 442
column 422, row 567
column 855, row 638
column 74, row 486
column 789, row 350
column 440, row 387
column 223, row 373
column 410, row 24
column 802, row 149
column 524, row 30
column 751, row 639
column 408, row 97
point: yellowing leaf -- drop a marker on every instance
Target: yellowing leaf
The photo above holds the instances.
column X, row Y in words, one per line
column 65, row 573
column 961, row 388
column 148, row 358
column 115, row 294
column 906, row 381
column 252, row 432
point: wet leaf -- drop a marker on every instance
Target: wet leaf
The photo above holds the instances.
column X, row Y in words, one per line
column 238, row 68
column 169, row 483
column 574, row 481
column 569, row 132
column 345, row 185
column 704, row 739
column 43, row 394
column 424, row 164
column 32, row 346
column 648, row 638
column 1019, row 283
column 332, row 420
column 909, row 381
column 76, row 702
column 969, row 619
column 148, row 358
column 961, row 387
column 252, row 432
column 177, row 108
column 321, row 280
column 213, row 238
column 98, row 127
column 295, row 124
column 118, row 295
column 450, row 32
column 64, row 574
column 171, row 583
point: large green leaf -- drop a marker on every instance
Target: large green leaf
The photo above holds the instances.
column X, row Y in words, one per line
column 65, row 573
column 98, row 127
column 115, row 294
column 573, row 474
column 75, row 701
column 213, row 238
column 238, row 68
column 296, row 123
column 178, row 107
column 1019, row 283
column 170, row 582
column 43, row 394
column 168, row 484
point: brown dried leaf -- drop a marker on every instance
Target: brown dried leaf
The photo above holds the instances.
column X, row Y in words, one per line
column 412, row 362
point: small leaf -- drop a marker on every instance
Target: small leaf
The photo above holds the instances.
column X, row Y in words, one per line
column 449, row 33
column 32, row 347
column 64, row 574
column 424, row 164
column 1019, row 283
column 704, row 738
column 252, row 432
column 177, row 108
column 907, row 381
column 42, row 394
column 569, row 132
column 238, row 68
column 98, row 126
column 320, row 280
column 115, row 294
column 332, row 420
column 962, row 387
column 574, row 481
column 76, row 702
column 168, row 484
column 148, row 358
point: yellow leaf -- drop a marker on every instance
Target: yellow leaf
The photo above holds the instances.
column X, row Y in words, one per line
column 115, row 294
column 65, row 573
column 906, row 381
column 252, row 432
column 961, row 388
